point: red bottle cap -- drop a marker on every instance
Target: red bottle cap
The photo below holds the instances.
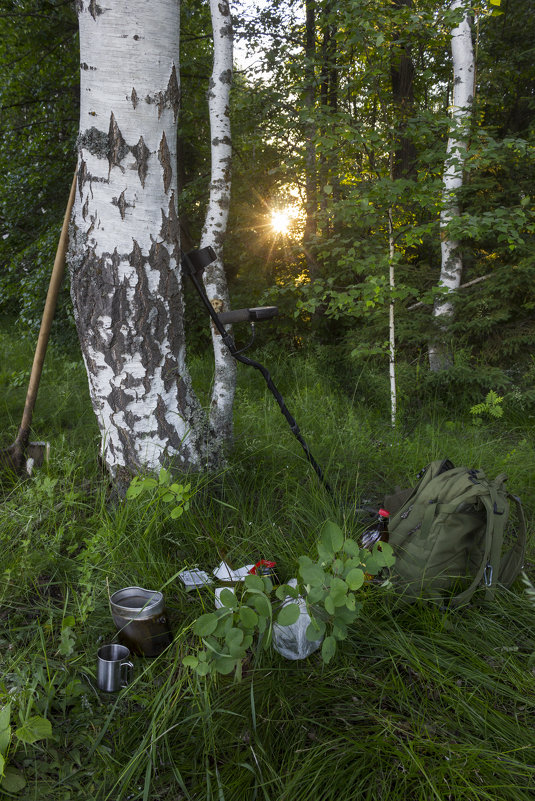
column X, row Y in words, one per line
column 384, row 513
column 263, row 563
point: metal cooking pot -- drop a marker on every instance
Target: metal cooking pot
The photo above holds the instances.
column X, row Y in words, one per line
column 141, row 620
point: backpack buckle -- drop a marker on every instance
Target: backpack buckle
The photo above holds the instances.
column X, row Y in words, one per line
column 487, row 575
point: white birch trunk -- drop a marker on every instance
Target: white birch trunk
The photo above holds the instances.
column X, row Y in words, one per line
column 463, row 94
column 391, row 323
column 217, row 215
column 124, row 255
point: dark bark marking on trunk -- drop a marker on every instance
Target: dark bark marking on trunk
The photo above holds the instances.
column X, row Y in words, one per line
column 170, row 230
column 141, row 154
column 85, row 208
column 164, row 157
column 226, row 76
column 224, row 141
column 94, row 141
column 82, row 177
column 134, row 98
column 168, row 99
column 173, row 93
column 226, row 31
column 117, row 147
column 121, row 203
column 94, row 9
column 165, row 431
column 224, row 9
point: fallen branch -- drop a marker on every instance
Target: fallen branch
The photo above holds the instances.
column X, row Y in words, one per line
column 463, row 286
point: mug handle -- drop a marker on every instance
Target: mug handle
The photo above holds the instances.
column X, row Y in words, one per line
column 128, row 666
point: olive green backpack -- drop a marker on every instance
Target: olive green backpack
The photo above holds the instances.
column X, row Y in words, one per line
column 448, row 535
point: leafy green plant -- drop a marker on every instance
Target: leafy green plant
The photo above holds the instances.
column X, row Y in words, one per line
column 490, row 407
column 162, row 489
column 32, row 729
column 328, row 585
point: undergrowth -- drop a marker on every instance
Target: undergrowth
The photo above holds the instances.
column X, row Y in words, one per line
column 419, row 703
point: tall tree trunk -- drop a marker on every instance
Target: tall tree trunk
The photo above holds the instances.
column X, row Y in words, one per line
column 452, row 266
column 124, row 254
column 311, row 189
column 402, row 77
column 217, row 215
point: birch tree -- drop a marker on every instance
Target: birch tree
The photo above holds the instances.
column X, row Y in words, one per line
column 451, row 259
column 124, row 254
column 217, row 214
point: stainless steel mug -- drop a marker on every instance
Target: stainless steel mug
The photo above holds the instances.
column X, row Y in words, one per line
column 113, row 667
column 141, row 620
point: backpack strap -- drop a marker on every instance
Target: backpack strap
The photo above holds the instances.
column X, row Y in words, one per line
column 483, row 572
column 511, row 563
column 513, row 559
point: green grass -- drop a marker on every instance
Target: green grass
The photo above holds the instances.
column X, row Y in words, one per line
column 418, row 704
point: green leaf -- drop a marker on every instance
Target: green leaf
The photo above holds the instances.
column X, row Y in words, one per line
column 328, row 649
column 387, row 553
column 190, row 661
column 315, row 630
column 316, row 594
column 351, row 548
column 164, row 477
column 326, row 555
column 228, row 598
column 176, row 512
column 205, row 624
column 312, row 574
column 248, row 617
column 331, row 536
column 5, row 728
column 203, row 669
column 253, row 582
column 225, row 664
column 355, row 578
column 288, row 614
column 2, row 765
column 13, row 781
column 339, row 630
column 262, row 605
column 329, row 605
column 33, row 729
column 234, row 637
column 286, row 589
column 67, row 640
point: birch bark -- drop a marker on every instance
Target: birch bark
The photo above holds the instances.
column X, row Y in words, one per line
column 463, row 91
column 217, row 215
column 124, row 254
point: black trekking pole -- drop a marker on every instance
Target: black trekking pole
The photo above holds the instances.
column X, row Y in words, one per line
column 193, row 264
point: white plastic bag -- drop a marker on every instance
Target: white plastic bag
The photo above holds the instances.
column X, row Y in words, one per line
column 290, row 641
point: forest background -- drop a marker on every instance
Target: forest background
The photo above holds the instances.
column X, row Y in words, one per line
column 346, row 129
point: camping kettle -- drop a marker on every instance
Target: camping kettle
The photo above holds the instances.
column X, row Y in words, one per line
column 141, row 620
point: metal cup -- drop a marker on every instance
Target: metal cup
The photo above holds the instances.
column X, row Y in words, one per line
column 113, row 667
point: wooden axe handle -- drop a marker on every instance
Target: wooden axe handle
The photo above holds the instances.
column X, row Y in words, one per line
column 46, row 322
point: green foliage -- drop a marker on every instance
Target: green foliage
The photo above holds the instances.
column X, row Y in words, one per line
column 164, row 490
column 34, row 728
column 39, row 100
column 491, row 407
column 327, row 585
